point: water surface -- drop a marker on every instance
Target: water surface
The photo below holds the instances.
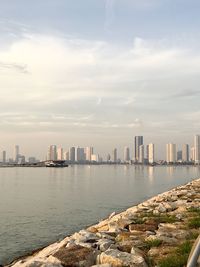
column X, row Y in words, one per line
column 41, row 205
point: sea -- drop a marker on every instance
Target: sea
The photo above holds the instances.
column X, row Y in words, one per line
column 39, row 206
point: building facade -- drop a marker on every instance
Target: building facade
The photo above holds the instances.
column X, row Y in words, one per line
column 138, row 143
column 197, row 149
column 171, row 153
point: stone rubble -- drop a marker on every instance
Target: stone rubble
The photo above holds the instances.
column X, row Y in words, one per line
column 141, row 236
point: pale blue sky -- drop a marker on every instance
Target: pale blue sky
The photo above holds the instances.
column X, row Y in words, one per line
column 98, row 72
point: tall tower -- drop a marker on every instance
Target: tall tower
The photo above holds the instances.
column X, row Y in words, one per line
column 185, row 153
column 60, row 153
column 114, row 155
column 4, row 156
column 138, row 143
column 197, row 149
column 126, row 154
column 52, row 152
column 141, row 154
column 171, row 153
column 72, row 154
column 151, row 153
column 89, row 151
column 16, row 153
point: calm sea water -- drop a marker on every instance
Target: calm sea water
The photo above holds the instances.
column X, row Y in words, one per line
column 41, row 205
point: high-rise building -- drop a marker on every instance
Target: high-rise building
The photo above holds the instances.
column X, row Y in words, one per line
column 72, row 154
column 185, row 153
column 79, row 154
column 192, row 154
column 16, row 153
column 138, row 143
column 52, row 152
column 151, row 153
column 95, row 158
column 114, row 155
column 141, row 154
column 60, row 153
column 126, row 154
column 179, row 155
column 171, row 153
column 197, row 149
column 66, row 155
column 88, row 153
column 108, row 158
column 4, row 156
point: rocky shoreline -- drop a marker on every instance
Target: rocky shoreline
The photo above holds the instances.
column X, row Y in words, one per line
column 158, row 232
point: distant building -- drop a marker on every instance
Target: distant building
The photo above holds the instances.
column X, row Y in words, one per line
column 197, row 149
column 72, row 154
column 108, row 158
column 66, row 155
column 171, row 153
column 151, row 153
column 79, row 154
column 32, row 160
column 95, row 158
column 114, row 155
column 138, row 143
column 60, row 153
column 126, row 154
column 21, row 159
column 141, row 154
column 88, row 153
column 192, row 154
column 16, row 154
column 179, row 155
column 185, row 153
column 4, row 156
column 52, row 152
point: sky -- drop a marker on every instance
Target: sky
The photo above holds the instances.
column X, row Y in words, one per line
column 98, row 72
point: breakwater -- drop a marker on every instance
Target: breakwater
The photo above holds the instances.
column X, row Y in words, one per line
column 156, row 232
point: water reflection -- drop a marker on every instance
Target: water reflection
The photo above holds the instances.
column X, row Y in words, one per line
column 70, row 198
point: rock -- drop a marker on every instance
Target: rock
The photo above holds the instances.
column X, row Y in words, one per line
column 102, row 265
column 76, row 256
column 92, row 229
column 161, row 208
column 113, row 227
column 125, row 246
column 84, row 236
column 122, row 223
column 104, row 244
column 40, row 262
column 104, row 235
column 121, row 259
column 112, row 215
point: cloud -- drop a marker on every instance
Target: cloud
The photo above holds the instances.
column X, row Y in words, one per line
column 82, row 83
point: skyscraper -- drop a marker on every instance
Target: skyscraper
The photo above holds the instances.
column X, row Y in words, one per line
column 79, row 154
column 60, row 153
column 126, row 154
column 88, row 153
column 4, row 156
column 151, row 153
column 171, row 153
column 197, row 149
column 185, row 153
column 52, row 152
column 141, row 154
column 16, row 153
column 72, row 154
column 138, row 143
column 114, row 155
column 192, row 154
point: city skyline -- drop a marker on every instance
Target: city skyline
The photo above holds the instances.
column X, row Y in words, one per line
column 139, row 152
column 98, row 72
